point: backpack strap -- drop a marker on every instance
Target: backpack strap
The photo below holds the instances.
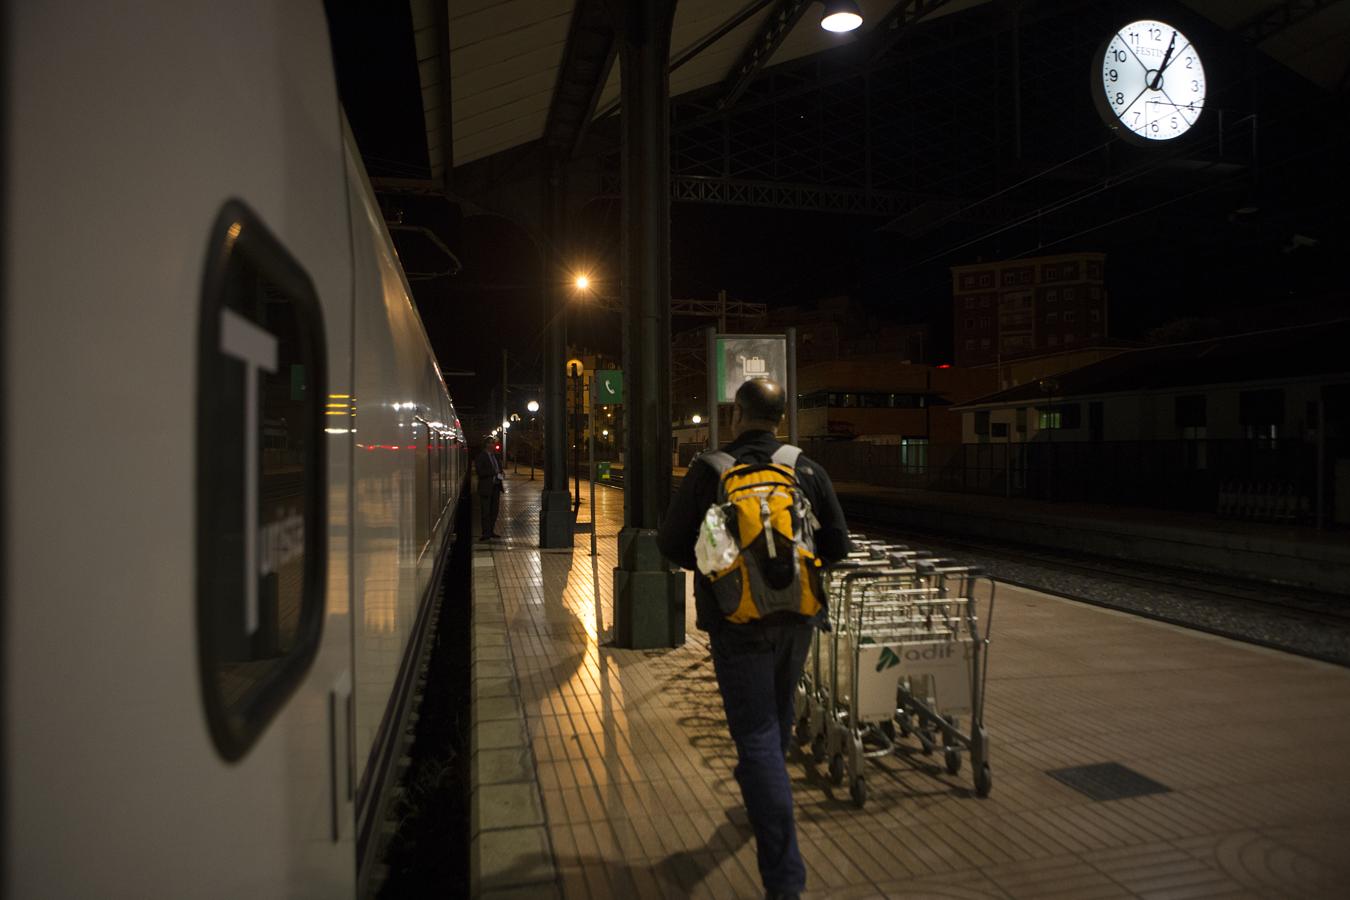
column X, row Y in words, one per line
column 720, row 460
column 786, row 455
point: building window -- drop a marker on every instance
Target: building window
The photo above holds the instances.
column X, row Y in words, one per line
column 1051, row 317
column 1052, row 340
column 970, row 323
column 914, row 455
column 1021, row 420
column 984, row 321
column 1095, row 314
column 1261, row 413
column 1070, row 315
column 984, row 303
column 1191, row 412
column 982, row 423
column 986, row 279
column 1069, row 337
column 1052, row 295
column 970, row 303
column 985, row 343
column 970, row 343
column 1068, row 294
column 1060, row 416
column 1051, row 273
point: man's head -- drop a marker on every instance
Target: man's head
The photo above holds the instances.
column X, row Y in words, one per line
column 760, row 404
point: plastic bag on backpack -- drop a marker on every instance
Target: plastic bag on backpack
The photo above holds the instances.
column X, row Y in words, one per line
column 716, row 548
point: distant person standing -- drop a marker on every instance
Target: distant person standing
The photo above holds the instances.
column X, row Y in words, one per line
column 780, row 510
column 491, row 486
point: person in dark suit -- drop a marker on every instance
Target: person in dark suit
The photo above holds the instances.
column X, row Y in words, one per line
column 491, row 486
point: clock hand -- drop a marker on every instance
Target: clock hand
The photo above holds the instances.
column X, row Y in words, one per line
column 1167, row 57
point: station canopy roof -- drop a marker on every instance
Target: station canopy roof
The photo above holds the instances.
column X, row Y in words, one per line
column 509, row 59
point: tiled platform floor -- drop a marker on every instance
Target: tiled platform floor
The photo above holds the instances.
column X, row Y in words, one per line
column 634, row 762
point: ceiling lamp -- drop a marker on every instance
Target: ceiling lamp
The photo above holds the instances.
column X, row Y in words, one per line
column 840, row 16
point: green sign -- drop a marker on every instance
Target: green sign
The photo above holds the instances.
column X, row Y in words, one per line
column 608, row 386
column 602, row 469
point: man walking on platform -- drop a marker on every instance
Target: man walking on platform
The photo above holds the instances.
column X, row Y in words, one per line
column 757, row 651
column 491, row 486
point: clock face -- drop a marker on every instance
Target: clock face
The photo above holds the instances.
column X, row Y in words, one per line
column 1149, row 82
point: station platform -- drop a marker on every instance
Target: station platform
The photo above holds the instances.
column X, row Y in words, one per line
column 608, row 773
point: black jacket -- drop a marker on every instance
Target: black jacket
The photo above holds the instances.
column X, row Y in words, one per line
column 489, row 472
column 679, row 530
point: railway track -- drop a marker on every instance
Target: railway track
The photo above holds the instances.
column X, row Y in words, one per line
column 1307, row 623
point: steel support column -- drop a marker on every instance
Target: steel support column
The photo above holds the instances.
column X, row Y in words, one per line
column 555, row 512
column 648, row 595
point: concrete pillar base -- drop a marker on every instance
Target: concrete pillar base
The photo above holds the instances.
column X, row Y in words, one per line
column 648, row 594
column 556, row 520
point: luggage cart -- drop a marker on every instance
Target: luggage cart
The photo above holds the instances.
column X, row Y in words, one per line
column 908, row 649
column 812, row 702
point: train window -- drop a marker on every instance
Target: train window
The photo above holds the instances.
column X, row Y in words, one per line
column 261, row 478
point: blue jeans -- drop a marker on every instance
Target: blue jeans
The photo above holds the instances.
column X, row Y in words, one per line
column 758, row 667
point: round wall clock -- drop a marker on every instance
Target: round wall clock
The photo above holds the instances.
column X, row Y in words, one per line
column 1148, row 82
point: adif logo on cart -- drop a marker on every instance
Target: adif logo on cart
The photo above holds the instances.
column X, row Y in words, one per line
column 931, row 653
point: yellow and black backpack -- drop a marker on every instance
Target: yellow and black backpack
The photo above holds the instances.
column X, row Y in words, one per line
column 770, row 517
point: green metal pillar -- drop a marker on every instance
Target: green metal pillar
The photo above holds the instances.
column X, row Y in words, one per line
column 556, row 517
column 648, row 593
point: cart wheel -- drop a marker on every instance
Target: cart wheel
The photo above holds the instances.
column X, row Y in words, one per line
column 818, row 749
column 984, row 780
column 803, row 731
column 858, row 791
column 953, row 758
column 837, row 768
column 926, row 741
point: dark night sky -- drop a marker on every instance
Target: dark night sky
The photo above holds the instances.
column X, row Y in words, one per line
column 1193, row 258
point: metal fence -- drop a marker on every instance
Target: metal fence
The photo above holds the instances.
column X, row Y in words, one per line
column 1279, row 477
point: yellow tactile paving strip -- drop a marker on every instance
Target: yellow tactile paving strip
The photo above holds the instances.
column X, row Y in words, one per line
column 634, row 762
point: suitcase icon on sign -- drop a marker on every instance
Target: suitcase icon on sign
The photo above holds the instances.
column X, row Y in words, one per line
column 754, row 367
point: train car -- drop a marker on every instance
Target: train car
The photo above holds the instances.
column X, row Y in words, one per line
column 230, row 462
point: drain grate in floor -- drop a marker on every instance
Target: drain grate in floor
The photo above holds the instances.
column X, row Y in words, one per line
column 1108, row 781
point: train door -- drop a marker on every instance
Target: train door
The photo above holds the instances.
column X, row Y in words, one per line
column 177, row 347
